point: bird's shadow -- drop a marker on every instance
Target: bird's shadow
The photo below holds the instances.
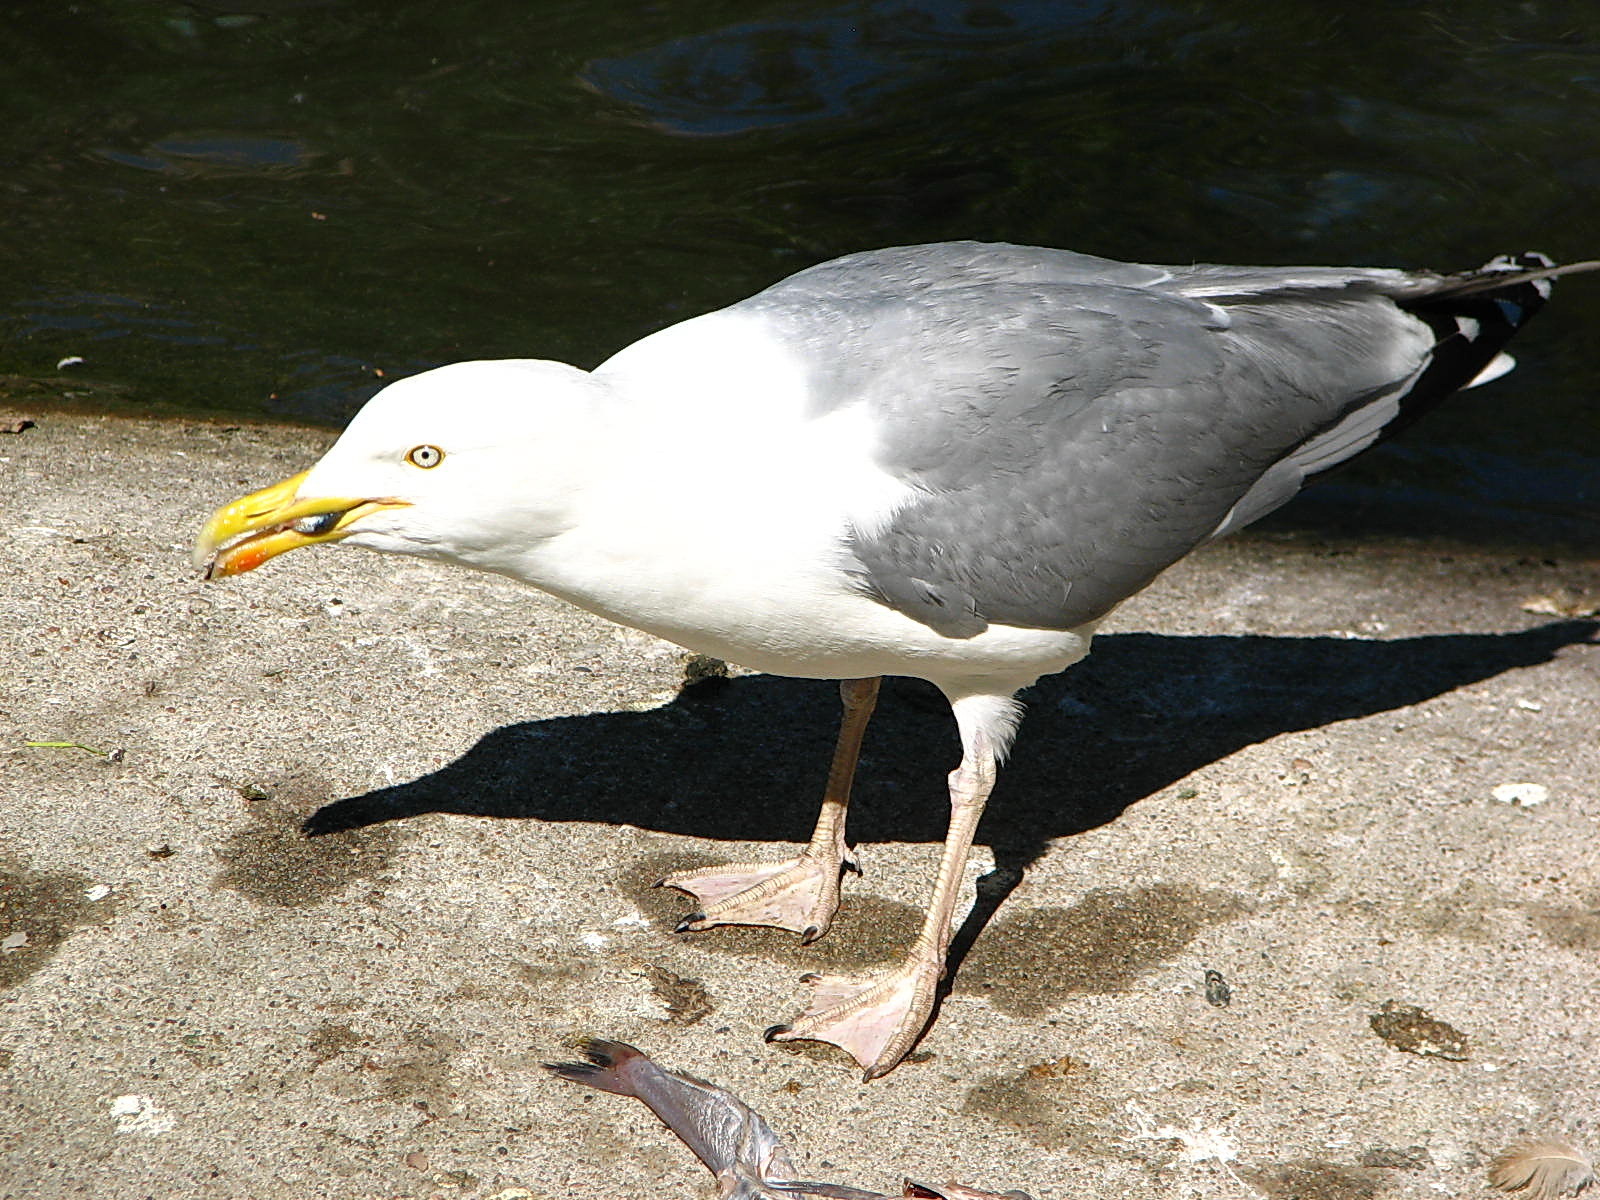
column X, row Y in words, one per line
column 745, row 759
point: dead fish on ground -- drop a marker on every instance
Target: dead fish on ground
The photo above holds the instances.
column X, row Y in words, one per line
column 725, row 1133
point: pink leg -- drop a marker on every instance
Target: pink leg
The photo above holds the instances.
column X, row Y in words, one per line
column 800, row 894
column 878, row 1020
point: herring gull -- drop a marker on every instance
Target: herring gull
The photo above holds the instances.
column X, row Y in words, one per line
column 947, row 461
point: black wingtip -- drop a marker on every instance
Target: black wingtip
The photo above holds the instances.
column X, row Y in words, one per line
column 1506, row 291
column 1504, row 271
column 1473, row 316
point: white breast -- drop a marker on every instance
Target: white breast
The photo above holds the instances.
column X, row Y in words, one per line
column 722, row 519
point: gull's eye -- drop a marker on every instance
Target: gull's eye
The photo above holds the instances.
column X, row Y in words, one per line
column 425, row 456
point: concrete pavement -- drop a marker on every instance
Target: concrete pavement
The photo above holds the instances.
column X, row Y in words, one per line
column 1279, row 765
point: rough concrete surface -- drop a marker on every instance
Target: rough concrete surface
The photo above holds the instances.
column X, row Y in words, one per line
column 1278, row 765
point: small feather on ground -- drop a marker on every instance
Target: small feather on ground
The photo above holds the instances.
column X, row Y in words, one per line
column 1543, row 1170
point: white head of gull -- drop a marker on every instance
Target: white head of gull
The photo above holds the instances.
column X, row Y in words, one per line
column 946, row 461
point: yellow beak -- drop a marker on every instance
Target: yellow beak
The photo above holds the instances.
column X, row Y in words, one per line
column 241, row 536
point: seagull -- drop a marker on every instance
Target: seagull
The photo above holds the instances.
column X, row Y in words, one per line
column 947, row 461
column 733, row 1140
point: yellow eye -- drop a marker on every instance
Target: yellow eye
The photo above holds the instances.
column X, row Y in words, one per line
column 425, row 456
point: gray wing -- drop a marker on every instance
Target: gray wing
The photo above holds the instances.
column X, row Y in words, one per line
column 1071, row 426
column 906, row 271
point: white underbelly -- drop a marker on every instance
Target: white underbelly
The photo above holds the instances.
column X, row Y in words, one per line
column 815, row 626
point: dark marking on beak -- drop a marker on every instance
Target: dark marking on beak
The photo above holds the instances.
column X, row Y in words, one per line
column 317, row 525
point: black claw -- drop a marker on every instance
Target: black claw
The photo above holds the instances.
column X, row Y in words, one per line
column 810, row 977
column 684, row 926
column 810, row 934
column 774, row 1031
column 662, row 882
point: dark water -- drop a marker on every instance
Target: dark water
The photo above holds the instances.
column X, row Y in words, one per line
column 257, row 208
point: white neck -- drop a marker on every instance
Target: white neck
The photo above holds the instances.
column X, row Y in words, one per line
column 705, row 530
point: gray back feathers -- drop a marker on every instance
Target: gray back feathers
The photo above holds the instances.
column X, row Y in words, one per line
column 1071, row 426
